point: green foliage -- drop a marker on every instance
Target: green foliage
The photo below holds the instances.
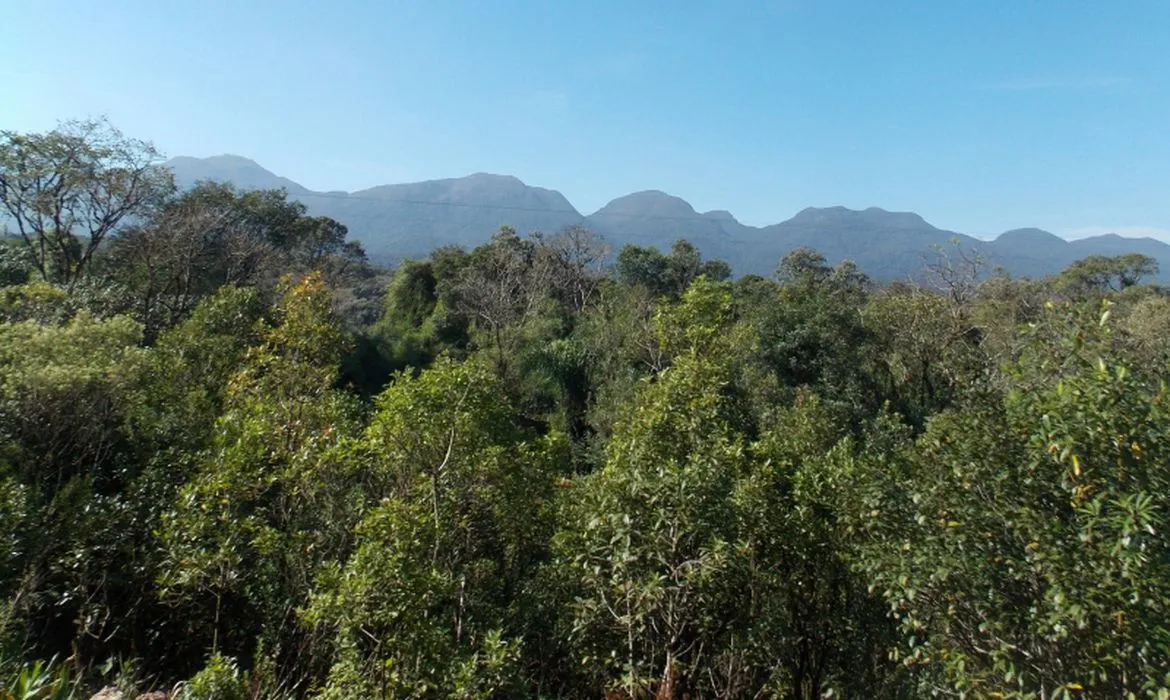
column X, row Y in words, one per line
column 655, row 483
column 1147, row 326
column 213, row 235
column 925, row 350
column 618, row 339
column 811, row 334
column 670, row 274
column 62, row 395
column 460, row 500
column 810, row 619
column 1098, row 274
column 15, row 266
column 38, row 681
column 186, row 373
column 648, row 538
column 34, row 301
column 649, row 535
column 220, row 679
column 1018, row 541
column 66, row 190
column 416, row 323
column 702, row 561
column 247, row 531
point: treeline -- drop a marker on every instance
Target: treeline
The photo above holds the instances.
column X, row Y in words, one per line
column 238, row 461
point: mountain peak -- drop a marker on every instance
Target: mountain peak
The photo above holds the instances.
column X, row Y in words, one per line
column 233, row 159
column 872, row 217
column 649, row 203
column 225, row 161
column 221, row 159
column 720, row 215
column 1029, row 235
column 499, row 195
column 820, row 213
column 493, row 178
column 240, row 171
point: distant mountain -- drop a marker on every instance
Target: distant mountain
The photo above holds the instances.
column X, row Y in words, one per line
column 1032, row 252
column 407, row 220
column 243, row 172
column 654, row 218
column 413, row 219
column 410, row 220
column 886, row 245
column 1113, row 244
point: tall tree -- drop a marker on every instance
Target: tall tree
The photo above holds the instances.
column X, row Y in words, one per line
column 577, row 258
column 503, row 286
column 649, row 536
column 1099, row 274
column 212, row 235
column 459, row 518
column 68, row 189
column 667, row 275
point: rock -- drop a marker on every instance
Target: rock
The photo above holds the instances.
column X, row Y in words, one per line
column 108, row 693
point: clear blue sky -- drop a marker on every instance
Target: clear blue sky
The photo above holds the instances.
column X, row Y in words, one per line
column 981, row 116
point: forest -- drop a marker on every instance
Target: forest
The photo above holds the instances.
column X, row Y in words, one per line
column 238, row 461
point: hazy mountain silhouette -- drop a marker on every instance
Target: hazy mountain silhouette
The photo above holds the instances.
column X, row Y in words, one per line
column 245, row 173
column 654, row 218
column 884, row 244
column 411, row 219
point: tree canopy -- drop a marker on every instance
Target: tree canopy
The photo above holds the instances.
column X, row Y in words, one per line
column 239, row 461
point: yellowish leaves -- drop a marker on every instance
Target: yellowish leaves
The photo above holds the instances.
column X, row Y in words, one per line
column 1080, row 493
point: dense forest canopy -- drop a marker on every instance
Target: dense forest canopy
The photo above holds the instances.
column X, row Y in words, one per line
column 239, row 461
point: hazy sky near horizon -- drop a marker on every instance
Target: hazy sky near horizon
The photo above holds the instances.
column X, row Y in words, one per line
column 981, row 116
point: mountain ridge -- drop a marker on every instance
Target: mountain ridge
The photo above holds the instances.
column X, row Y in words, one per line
column 400, row 220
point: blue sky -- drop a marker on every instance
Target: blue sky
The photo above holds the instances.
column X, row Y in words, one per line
column 981, row 116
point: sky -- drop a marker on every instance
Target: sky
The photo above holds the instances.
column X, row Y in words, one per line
column 980, row 116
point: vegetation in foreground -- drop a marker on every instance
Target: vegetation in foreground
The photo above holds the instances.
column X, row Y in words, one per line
column 239, row 462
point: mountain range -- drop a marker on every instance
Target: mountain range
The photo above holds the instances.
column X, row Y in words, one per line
column 399, row 221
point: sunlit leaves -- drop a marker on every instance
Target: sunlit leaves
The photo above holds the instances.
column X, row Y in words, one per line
column 1018, row 541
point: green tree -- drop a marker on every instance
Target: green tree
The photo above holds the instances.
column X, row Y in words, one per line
column 807, row 625
column 461, row 515
column 417, row 323
column 811, row 334
column 924, row 355
column 15, row 266
column 1018, row 541
column 667, row 275
column 502, row 291
column 1099, row 274
column 67, row 461
column 246, row 533
column 212, row 235
column 66, row 190
column 649, row 536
